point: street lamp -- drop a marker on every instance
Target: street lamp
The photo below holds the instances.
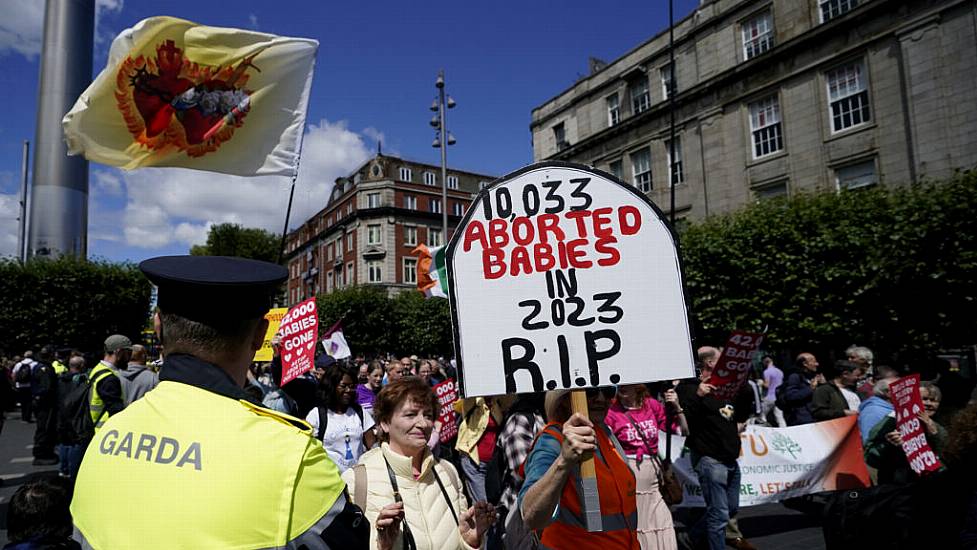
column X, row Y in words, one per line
column 442, row 139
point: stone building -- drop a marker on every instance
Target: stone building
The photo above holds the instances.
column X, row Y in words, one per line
column 776, row 97
column 372, row 221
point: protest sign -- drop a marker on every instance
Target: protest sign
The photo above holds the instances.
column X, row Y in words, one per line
column 299, row 330
column 274, row 319
column 447, row 394
column 780, row 463
column 904, row 394
column 561, row 276
column 733, row 367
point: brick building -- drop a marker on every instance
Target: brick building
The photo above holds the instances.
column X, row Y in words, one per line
column 372, row 221
column 775, row 97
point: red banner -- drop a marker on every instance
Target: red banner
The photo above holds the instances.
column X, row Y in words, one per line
column 299, row 329
column 447, row 393
column 733, row 368
column 904, row 394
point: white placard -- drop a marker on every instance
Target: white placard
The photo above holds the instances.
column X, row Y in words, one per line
column 562, row 277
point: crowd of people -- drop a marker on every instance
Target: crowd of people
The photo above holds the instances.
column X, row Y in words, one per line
column 510, row 476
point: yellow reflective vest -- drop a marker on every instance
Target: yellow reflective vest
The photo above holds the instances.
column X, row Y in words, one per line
column 193, row 467
column 59, row 367
column 96, row 407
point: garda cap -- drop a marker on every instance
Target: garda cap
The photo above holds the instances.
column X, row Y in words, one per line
column 212, row 289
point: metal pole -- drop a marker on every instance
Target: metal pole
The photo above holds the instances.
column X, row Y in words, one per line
column 59, row 193
column 22, row 216
column 671, row 113
column 444, row 157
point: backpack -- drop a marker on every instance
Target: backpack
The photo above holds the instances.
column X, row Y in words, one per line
column 872, row 517
column 23, row 375
column 75, row 424
column 324, row 418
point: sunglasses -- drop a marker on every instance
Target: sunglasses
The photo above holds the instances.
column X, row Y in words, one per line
column 609, row 392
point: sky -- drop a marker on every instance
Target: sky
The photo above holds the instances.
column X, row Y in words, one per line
column 374, row 82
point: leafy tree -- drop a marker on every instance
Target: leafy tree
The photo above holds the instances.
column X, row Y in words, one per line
column 421, row 326
column 366, row 314
column 229, row 239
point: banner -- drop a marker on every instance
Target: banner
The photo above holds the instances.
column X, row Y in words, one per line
column 561, row 276
column 447, row 393
column 432, row 279
column 904, row 394
column 175, row 93
column 266, row 353
column 780, row 463
column 299, row 330
column 733, row 368
column 334, row 342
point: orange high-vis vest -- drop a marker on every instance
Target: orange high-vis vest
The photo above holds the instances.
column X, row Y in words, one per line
column 618, row 507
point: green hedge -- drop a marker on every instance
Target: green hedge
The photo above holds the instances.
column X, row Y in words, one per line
column 68, row 302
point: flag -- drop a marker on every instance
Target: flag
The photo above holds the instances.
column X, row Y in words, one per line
column 175, row 93
column 432, row 277
column 335, row 343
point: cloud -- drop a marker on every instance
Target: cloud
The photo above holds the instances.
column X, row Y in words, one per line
column 253, row 19
column 166, row 206
column 9, row 210
column 22, row 25
column 108, row 183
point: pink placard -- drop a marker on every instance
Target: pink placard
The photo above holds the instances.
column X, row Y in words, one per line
column 904, row 394
column 447, row 393
column 733, row 368
column 299, row 329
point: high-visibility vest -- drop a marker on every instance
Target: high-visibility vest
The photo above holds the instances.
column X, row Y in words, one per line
column 59, row 367
column 618, row 505
column 97, row 406
column 203, row 471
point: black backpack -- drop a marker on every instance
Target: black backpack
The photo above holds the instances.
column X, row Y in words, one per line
column 324, row 418
column 75, row 424
column 23, row 374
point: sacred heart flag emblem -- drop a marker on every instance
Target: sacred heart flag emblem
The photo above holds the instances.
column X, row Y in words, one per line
column 171, row 101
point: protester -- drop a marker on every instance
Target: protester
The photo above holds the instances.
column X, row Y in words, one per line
column 799, row 390
column 38, row 517
column 213, row 450
column 414, row 500
column 44, row 386
column 828, row 401
column 366, row 393
column 874, row 409
column 71, row 449
column 22, row 382
column 362, row 373
column 549, row 499
column 635, row 418
column 773, row 377
column 137, row 378
column 424, row 372
column 481, row 422
column 395, row 371
column 714, row 443
column 524, row 419
column 863, row 357
column 346, row 431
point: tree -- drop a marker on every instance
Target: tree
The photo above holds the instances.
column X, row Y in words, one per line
column 229, row 239
column 366, row 315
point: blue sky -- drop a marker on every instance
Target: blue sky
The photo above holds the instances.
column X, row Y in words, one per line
column 374, row 80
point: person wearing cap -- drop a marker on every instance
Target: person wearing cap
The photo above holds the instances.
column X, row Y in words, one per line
column 549, row 499
column 195, row 456
column 108, row 397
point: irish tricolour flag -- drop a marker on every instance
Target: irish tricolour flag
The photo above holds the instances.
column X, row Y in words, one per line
column 432, row 277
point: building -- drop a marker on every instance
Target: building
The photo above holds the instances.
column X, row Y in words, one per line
column 372, row 221
column 776, row 97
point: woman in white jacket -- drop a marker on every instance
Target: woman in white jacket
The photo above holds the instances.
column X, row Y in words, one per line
column 412, row 500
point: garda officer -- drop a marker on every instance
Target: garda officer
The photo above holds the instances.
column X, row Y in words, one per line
column 206, row 467
column 108, row 395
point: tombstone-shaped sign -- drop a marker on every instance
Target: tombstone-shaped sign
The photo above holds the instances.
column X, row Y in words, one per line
column 563, row 277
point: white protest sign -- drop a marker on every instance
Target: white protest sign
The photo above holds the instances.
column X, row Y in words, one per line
column 561, row 276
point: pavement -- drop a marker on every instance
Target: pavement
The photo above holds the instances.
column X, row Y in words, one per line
column 768, row 527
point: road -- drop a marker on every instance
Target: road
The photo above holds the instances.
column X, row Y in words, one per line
column 15, row 463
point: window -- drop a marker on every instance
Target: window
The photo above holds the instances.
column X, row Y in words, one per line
column 772, row 191
column 330, row 252
column 848, row 96
column 329, row 222
column 853, row 176
column 373, row 200
column 833, row 8
column 641, row 169
column 452, row 182
column 613, row 110
column 458, row 209
column 349, row 242
column 410, row 270
column 560, row 134
column 765, row 126
column 410, row 202
column 617, row 168
column 757, row 35
column 349, row 279
column 436, row 206
column 373, row 234
column 667, row 80
column 640, row 100
column 375, row 271
column 430, row 178
column 406, row 174
column 410, row 235
column 329, row 281
column 433, row 236
column 349, row 208
column 675, row 166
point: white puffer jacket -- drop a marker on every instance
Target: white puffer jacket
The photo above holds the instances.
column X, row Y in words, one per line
column 425, row 507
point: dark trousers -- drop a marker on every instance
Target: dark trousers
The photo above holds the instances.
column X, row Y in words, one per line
column 26, row 398
column 46, row 433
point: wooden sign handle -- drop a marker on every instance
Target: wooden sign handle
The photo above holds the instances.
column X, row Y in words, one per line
column 590, row 499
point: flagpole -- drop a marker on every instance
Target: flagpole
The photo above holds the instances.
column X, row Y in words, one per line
column 291, row 195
